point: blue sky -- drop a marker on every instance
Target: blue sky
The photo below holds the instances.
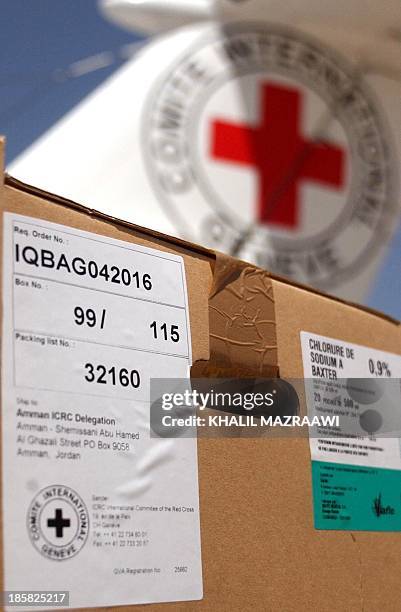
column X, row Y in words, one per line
column 40, row 37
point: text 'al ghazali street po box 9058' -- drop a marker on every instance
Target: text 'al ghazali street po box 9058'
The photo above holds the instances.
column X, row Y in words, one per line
column 93, row 308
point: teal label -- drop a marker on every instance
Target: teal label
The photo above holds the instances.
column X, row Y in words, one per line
column 351, row 497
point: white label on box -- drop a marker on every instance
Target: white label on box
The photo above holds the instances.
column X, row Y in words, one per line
column 91, row 503
column 361, row 386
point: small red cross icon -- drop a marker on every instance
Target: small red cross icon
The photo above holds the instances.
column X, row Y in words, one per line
column 282, row 156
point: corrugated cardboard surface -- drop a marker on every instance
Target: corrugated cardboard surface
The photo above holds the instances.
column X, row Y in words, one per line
column 360, row 564
column 259, row 548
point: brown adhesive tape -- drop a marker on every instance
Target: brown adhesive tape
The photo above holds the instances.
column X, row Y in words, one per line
column 242, row 322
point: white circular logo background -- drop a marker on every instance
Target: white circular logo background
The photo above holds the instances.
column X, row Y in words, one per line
column 58, row 522
column 275, row 149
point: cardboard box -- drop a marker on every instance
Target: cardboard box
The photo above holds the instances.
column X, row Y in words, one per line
column 260, row 550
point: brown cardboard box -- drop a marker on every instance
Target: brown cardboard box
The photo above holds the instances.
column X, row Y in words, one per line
column 260, row 550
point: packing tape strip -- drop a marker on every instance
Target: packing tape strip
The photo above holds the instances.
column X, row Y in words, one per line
column 242, row 322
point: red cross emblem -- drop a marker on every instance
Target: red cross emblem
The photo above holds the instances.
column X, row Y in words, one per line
column 282, row 156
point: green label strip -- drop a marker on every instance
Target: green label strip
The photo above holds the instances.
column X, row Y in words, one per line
column 350, row 497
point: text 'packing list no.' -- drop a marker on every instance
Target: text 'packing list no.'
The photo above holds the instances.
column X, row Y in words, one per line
column 88, row 321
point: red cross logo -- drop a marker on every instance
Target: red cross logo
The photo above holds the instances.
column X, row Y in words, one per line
column 282, row 156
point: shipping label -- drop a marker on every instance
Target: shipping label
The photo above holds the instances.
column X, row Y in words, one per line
column 92, row 504
column 356, row 466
